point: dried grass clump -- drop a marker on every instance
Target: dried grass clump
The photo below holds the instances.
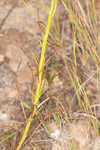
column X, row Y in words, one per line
column 71, row 70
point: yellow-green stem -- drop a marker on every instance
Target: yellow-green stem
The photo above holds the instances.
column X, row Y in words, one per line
column 41, row 67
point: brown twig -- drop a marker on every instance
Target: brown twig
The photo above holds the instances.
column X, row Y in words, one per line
column 7, row 15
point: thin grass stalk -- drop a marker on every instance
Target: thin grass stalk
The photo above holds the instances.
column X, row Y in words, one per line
column 6, row 137
column 81, row 30
column 75, row 81
column 41, row 67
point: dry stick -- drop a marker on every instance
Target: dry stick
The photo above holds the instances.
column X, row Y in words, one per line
column 7, row 15
column 41, row 67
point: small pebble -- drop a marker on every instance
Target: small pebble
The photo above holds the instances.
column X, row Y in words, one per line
column 2, row 59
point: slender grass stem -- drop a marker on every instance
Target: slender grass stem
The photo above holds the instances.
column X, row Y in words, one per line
column 41, row 67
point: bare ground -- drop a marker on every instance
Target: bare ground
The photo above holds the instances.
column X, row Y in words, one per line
column 20, row 32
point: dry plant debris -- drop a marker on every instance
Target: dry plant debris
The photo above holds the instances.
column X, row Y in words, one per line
column 71, row 70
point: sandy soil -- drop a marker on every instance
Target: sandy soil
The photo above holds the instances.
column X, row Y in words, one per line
column 18, row 32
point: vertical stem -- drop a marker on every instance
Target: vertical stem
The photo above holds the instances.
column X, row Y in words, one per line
column 41, row 67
